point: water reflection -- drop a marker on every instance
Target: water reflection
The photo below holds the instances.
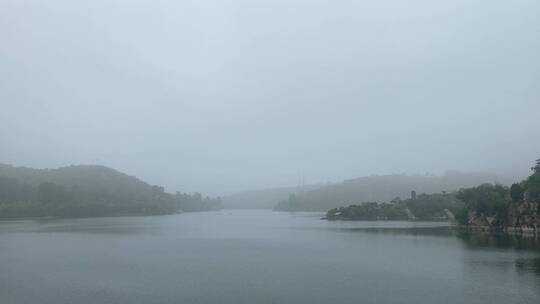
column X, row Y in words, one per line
column 414, row 231
column 499, row 241
column 528, row 265
column 105, row 226
column 263, row 257
column 471, row 240
column 480, row 248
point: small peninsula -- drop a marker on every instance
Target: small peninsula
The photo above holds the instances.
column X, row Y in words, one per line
column 427, row 207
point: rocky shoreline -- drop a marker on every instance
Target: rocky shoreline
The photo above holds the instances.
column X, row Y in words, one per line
column 522, row 219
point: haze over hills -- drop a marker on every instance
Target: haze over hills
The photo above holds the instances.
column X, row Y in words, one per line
column 262, row 199
column 336, row 109
column 88, row 177
column 369, row 188
column 87, row 190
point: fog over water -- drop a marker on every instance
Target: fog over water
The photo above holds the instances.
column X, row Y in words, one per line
column 260, row 257
column 220, row 96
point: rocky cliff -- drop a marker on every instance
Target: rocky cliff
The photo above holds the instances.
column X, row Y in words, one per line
column 521, row 218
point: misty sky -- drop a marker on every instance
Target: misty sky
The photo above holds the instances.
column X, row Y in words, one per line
column 225, row 95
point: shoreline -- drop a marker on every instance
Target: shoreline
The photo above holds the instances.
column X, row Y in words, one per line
column 24, row 218
column 384, row 220
column 514, row 231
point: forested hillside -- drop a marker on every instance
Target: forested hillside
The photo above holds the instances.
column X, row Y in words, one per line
column 381, row 189
column 81, row 191
column 495, row 207
column 427, row 207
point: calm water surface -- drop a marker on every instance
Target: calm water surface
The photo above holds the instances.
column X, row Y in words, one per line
column 259, row 257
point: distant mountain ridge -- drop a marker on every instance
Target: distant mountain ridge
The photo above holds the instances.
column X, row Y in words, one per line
column 382, row 188
column 263, row 198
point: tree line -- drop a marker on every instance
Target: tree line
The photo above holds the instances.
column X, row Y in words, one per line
column 86, row 191
column 497, row 201
column 438, row 206
column 503, row 206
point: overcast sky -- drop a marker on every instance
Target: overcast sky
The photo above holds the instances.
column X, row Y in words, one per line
column 226, row 95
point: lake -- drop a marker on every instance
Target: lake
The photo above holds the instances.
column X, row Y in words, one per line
column 245, row 256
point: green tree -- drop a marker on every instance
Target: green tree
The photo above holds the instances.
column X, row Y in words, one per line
column 516, row 192
column 532, row 184
column 487, row 199
column 536, row 168
column 47, row 193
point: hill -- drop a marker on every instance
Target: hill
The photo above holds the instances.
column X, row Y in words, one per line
column 381, row 189
column 261, row 199
column 86, row 190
